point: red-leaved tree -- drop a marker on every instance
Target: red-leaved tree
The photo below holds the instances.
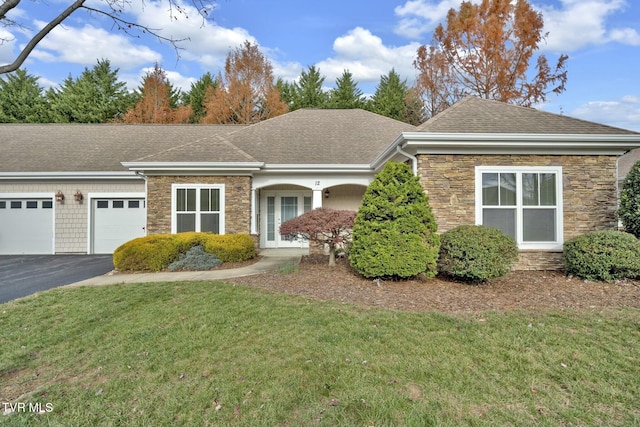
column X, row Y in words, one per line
column 322, row 226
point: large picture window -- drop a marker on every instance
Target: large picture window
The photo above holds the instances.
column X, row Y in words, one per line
column 198, row 208
column 523, row 202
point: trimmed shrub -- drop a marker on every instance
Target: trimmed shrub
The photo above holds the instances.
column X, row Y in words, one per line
column 152, row 253
column 475, row 253
column 196, row 259
column 230, row 247
column 394, row 233
column 156, row 252
column 629, row 210
column 603, row 255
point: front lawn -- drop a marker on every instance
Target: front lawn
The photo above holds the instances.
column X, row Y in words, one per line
column 199, row 354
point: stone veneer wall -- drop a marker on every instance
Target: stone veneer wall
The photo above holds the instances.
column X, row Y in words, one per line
column 589, row 192
column 237, row 201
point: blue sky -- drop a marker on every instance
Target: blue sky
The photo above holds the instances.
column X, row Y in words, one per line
column 601, row 37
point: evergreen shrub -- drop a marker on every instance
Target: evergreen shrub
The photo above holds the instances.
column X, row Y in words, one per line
column 394, row 233
column 157, row 251
column 476, row 253
column 629, row 209
column 603, row 255
column 195, row 259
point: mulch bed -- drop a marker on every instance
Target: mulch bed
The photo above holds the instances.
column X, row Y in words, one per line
column 518, row 290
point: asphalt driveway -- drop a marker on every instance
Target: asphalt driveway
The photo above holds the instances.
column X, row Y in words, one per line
column 22, row 275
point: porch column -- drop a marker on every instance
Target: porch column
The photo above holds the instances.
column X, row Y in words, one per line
column 317, row 198
column 254, row 228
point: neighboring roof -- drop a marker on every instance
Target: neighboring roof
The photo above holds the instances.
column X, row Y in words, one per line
column 100, row 147
column 475, row 115
column 319, row 136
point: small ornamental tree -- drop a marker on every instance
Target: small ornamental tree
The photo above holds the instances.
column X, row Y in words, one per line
column 629, row 210
column 322, row 226
column 394, row 234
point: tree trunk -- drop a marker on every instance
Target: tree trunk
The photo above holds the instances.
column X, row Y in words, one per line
column 332, row 255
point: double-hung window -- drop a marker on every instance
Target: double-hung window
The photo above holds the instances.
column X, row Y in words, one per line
column 523, row 202
column 197, row 208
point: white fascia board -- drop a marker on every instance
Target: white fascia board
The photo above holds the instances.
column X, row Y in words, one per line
column 468, row 143
column 296, row 168
column 194, row 166
column 68, row 175
column 388, row 152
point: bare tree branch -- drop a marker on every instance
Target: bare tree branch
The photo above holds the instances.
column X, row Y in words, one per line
column 114, row 10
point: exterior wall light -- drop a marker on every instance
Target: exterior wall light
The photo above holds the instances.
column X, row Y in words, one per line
column 78, row 196
column 326, row 193
column 59, row 196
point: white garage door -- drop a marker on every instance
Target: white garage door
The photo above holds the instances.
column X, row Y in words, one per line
column 116, row 221
column 26, row 226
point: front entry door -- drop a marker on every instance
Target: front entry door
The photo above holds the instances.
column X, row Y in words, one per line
column 278, row 207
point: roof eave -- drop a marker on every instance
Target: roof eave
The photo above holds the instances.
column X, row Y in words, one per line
column 193, row 166
column 293, row 168
column 69, row 175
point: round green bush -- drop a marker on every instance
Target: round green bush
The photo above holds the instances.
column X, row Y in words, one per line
column 603, row 255
column 629, row 210
column 475, row 253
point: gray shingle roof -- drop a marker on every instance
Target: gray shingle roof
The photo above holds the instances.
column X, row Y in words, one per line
column 320, row 136
column 99, row 148
column 475, row 115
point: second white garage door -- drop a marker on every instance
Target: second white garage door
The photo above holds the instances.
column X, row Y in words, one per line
column 116, row 221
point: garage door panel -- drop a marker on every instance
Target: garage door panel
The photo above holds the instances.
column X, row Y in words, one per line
column 116, row 221
column 26, row 226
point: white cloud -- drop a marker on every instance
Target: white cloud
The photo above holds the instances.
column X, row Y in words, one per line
column 580, row 23
column 367, row 58
column 87, row 44
column 418, row 17
column 623, row 113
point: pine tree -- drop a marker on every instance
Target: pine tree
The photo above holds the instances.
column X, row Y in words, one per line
column 22, row 99
column 394, row 234
column 308, row 92
column 95, row 97
column 346, row 94
column 196, row 95
column 390, row 98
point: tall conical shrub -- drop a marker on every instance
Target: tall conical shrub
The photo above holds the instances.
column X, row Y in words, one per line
column 629, row 210
column 394, row 234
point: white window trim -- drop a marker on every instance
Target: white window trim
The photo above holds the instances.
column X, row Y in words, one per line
column 174, row 201
column 519, row 170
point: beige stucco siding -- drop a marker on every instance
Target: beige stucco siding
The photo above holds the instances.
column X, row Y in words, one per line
column 237, row 201
column 589, row 193
column 72, row 217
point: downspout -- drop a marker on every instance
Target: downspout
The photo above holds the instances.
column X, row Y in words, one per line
column 146, row 201
column 414, row 159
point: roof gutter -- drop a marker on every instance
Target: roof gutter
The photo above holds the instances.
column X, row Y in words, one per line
column 67, row 175
column 414, row 159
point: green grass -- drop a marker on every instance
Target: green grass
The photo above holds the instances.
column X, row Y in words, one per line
column 199, row 354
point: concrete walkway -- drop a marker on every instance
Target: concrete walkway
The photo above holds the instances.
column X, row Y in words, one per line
column 272, row 260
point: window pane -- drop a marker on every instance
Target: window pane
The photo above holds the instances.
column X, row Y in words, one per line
column 191, row 199
column 507, row 189
column 539, row 225
column 547, row 189
column 118, row 204
column 16, row 205
column 502, row 219
column 210, row 223
column 271, row 218
column 186, row 222
column 32, row 204
column 490, row 189
column 307, row 203
column 181, row 200
column 3, row 204
column 215, row 200
column 530, row 189
column 133, row 204
column 47, row 204
column 205, row 200
column 102, row 204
